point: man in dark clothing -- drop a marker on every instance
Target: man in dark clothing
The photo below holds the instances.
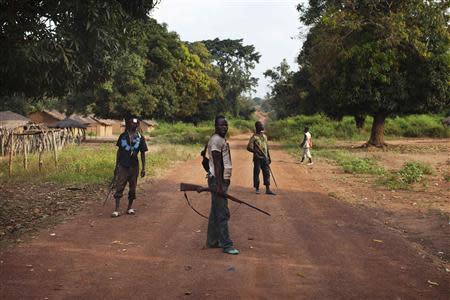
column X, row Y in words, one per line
column 219, row 176
column 127, row 165
column 258, row 145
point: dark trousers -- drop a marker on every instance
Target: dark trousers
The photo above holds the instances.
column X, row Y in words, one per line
column 258, row 165
column 124, row 176
column 218, row 235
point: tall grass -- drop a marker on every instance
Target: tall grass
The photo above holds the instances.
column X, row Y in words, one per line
column 93, row 164
column 323, row 127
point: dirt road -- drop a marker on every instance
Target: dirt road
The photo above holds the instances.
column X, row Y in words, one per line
column 313, row 247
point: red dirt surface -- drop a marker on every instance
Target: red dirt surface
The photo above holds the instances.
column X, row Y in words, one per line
column 313, row 247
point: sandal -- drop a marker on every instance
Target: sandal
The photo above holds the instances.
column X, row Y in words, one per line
column 231, row 250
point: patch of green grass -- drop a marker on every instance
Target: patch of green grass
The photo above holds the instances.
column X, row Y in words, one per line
column 90, row 163
column 410, row 173
column 351, row 163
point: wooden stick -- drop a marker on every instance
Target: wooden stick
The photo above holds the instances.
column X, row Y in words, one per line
column 2, row 143
column 11, row 149
column 41, row 149
column 25, row 153
column 55, row 150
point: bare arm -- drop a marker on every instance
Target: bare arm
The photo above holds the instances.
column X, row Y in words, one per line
column 218, row 172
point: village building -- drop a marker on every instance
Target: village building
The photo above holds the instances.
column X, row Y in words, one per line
column 95, row 126
column 13, row 121
column 46, row 117
column 147, row 125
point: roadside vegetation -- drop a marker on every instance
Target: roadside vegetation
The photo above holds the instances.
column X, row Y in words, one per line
column 328, row 136
column 187, row 133
column 94, row 163
column 89, row 164
column 412, row 126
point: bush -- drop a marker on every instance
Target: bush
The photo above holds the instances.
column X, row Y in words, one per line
column 187, row 133
column 413, row 172
column 410, row 173
column 350, row 163
column 182, row 133
column 323, row 127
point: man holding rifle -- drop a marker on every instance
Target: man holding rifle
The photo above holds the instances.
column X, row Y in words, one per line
column 219, row 176
column 261, row 158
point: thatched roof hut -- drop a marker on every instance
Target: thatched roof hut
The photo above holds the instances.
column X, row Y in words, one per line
column 47, row 117
column 69, row 123
column 11, row 120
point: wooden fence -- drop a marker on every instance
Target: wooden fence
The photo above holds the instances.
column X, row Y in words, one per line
column 37, row 141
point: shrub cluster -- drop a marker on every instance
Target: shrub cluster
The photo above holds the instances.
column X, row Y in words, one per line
column 323, row 127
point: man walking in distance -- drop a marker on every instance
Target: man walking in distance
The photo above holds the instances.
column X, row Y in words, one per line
column 129, row 144
column 219, row 176
column 306, row 145
column 261, row 157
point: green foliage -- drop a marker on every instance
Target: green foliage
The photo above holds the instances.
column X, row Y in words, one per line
column 235, row 62
column 246, row 107
column 324, row 127
column 182, row 133
column 416, row 126
column 240, row 125
column 378, row 58
column 286, row 98
column 350, row 163
column 410, row 173
column 186, row 133
column 52, row 48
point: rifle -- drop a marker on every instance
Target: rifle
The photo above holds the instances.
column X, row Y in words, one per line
column 267, row 161
column 187, row 187
column 111, row 186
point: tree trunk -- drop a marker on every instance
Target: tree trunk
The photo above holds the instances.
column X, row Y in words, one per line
column 377, row 132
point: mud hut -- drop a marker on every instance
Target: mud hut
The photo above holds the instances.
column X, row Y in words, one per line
column 47, row 117
column 12, row 121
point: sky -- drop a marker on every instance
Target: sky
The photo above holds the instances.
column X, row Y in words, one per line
column 272, row 26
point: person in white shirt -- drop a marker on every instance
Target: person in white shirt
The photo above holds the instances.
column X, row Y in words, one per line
column 219, row 176
column 306, row 145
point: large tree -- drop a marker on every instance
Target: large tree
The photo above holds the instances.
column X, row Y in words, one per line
column 377, row 57
column 235, row 62
column 290, row 92
column 158, row 76
column 53, row 48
